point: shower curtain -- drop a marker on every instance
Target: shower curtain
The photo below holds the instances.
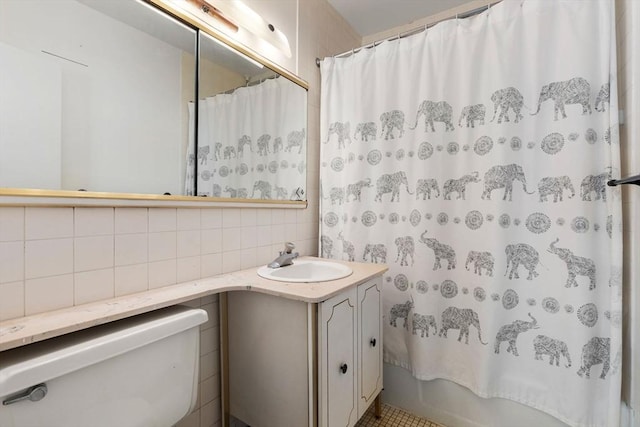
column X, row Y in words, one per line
column 249, row 145
column 472, row 159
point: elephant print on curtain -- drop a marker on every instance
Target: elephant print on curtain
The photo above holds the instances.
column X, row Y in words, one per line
column 602, row 100
column 480, row 260
column 507, row 99
column 246, row 140
column 367, row 131
column 400, row 311
column 392, row 120
column 377, row 253
column 573, row 91
column 460, row 318
column 596, row 184
column 439, row 111
column 516, row 191
column 502, row 176
column 511, row 332
column 342, row 130
column 262, row 143
column 391, row 183
column 458, row 185
column 473, row 113
column 440, row 251
column 524, row 254
column 576, row 265
column 425, row 187
column 553, row 348
column 355, row 190
column 423, row 323
column 597, row 351
column 348, row 248
column 555, row 186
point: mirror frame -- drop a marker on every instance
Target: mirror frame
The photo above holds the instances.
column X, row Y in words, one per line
column 41, row 197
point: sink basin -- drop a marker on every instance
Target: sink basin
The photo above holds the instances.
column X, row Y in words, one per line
column 304, row 271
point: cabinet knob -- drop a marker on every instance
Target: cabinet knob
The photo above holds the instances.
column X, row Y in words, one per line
column 373, row 342
column 343, row 368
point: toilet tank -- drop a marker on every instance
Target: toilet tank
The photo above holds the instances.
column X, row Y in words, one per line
column 140, row 371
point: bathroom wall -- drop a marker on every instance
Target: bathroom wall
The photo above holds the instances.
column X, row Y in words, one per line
column 628, row 31
column 53, row 258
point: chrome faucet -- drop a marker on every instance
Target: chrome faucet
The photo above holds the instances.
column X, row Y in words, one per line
column 286, row 257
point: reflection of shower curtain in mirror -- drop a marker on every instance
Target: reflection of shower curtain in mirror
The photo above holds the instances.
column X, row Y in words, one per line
column 248, row 146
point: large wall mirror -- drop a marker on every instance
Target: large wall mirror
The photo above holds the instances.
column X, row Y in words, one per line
column 122, row 97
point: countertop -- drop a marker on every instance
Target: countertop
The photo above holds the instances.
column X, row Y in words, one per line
column 25, row 330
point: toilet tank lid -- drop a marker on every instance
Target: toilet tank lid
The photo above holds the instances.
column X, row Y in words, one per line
column 29, row 365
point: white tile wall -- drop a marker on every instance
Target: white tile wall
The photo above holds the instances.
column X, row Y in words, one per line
column 93, row 253
column 131, row 220
column 211, row 241
column 130, row 279
column 93, row 222
column 188, row 269
column 188, row 219
column 210, row 265
column 212, row 218
column 48, row 223
column 163, row 273
column 162, row 219
column 50, row 257
column 48, row 293
column 11, row 224
column 131, row 248
column 12, row 301
column 12, row 254
column 94, row 285
column 162, row 245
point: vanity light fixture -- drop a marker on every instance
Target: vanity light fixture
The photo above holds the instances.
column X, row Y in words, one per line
column 239, row 21
column 214, row 12
column 240, row 54
column 255, row 24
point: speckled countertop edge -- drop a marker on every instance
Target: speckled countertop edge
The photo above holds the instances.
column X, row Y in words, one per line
column 38, row 327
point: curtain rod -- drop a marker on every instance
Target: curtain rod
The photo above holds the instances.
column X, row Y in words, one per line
column 414, row 31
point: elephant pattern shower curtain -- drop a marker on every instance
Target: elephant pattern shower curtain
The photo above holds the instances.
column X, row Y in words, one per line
column 472, row 159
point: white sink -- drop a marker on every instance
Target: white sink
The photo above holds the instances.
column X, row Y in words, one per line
column 304, row 271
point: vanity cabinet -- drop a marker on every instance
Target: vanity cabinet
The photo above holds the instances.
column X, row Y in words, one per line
column 293, row 363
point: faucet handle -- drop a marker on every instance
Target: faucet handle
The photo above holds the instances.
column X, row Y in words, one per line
column 289, row 247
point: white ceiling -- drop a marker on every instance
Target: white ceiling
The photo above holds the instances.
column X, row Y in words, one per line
column 369, row 17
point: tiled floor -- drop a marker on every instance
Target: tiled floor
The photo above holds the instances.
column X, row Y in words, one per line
column 394, row 417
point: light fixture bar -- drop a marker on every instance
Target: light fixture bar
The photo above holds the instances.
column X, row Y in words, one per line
column 215, row 13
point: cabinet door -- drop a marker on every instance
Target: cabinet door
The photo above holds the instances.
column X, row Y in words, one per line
column 369, row 343
column 338, row 323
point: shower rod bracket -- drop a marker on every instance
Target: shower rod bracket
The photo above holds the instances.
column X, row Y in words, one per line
column 635, row 179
